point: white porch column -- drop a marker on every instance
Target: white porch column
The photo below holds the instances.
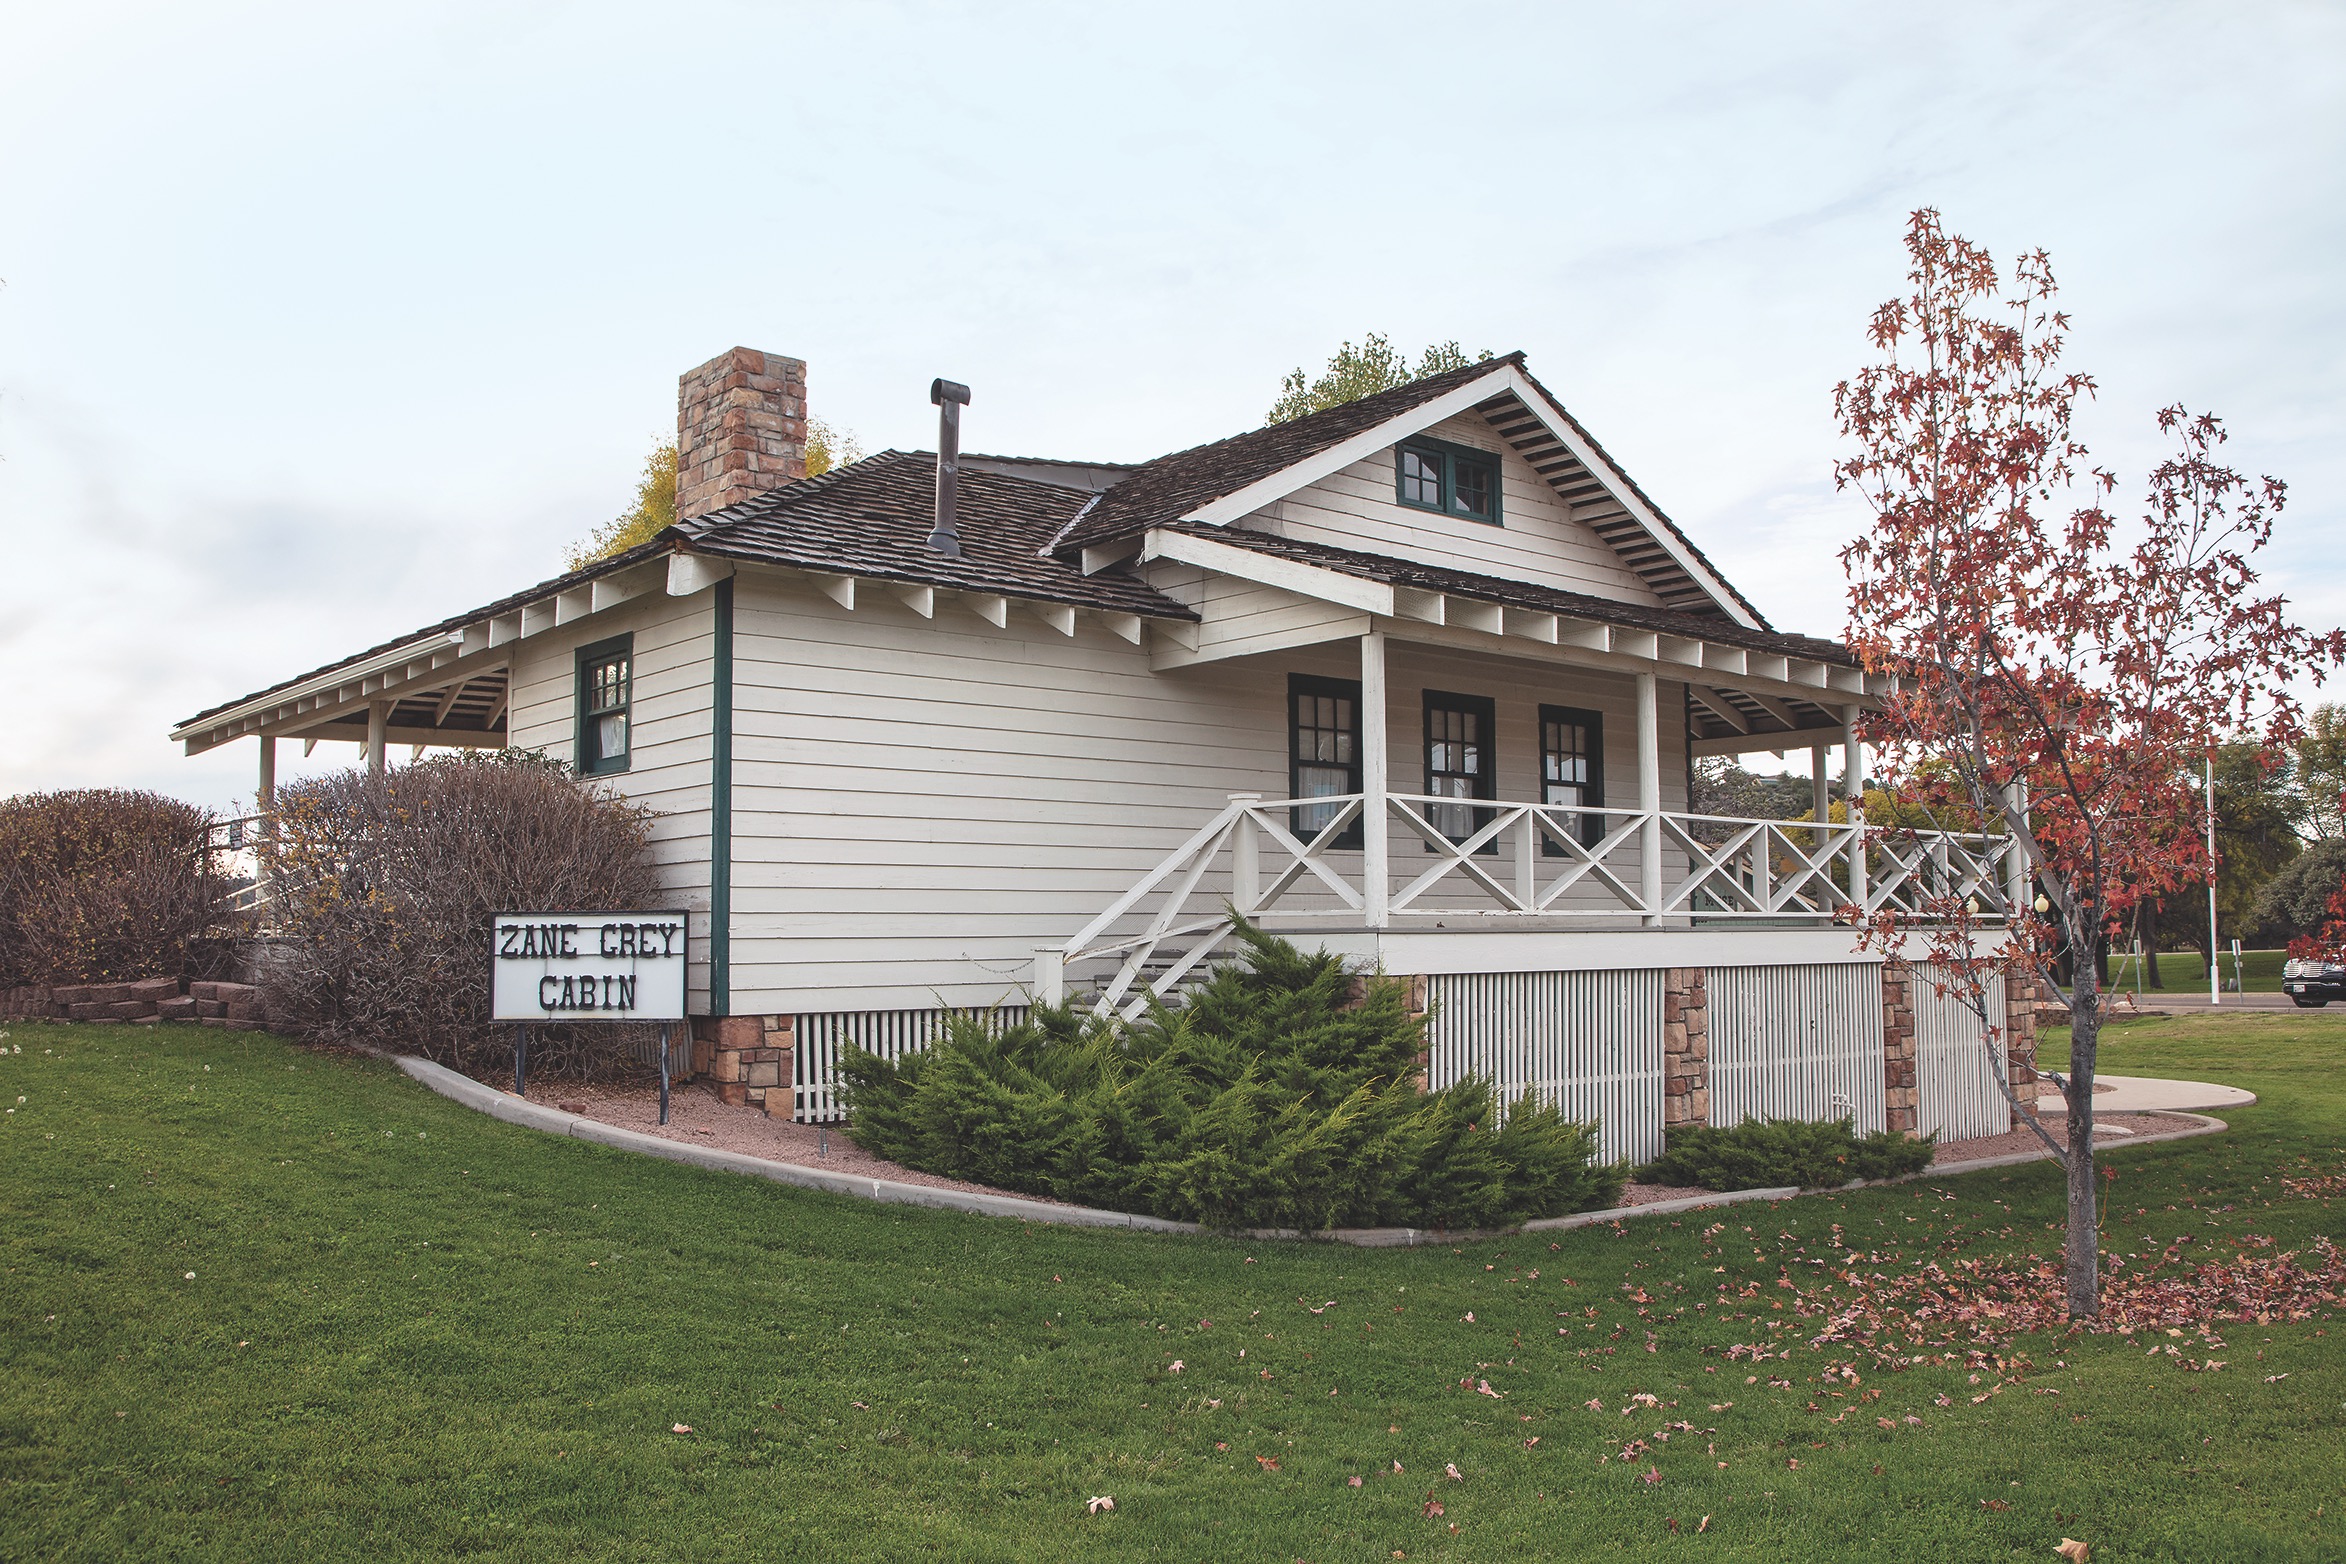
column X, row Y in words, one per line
column 1853, row 787
column 2017, row 873
column 1374, row 868
column 1820, row 787
column 1050, row 984
column 265, row 805
column 1246, row 860
column 378, row 727
column 1649, row 797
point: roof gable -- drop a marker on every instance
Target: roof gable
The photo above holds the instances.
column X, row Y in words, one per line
column 1218, row 483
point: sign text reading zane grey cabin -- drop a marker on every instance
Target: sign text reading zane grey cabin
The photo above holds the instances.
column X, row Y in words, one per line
column 588, row 966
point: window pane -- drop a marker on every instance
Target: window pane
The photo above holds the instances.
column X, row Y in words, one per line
column 1421, row 478
column 611, row 736
column 1470, row 487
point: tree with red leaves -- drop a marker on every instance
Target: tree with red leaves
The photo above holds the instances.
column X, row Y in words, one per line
column 2055, row 674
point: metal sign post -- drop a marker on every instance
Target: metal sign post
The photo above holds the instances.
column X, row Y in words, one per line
column 585, row 967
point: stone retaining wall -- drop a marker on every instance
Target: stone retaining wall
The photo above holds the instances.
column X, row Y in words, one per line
column 144, row 1002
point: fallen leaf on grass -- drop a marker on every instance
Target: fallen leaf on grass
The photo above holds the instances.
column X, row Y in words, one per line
column 2074, row 1551
column 1533, row 1440
column 1351, row 1482
column 2270, row 1379
column 1650, row 1476
column 859, row 1406
column 1433, row 1507
column 1451, row 1471
column 1267, row 1463
column 1097, row 1503
column 1993, row 1504
column 1175, row 1367
column 681, row 1428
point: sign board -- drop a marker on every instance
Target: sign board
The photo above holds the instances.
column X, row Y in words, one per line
column 587, row 966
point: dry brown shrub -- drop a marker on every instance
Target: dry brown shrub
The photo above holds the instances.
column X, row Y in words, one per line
column 385, row 891
column 106, row 885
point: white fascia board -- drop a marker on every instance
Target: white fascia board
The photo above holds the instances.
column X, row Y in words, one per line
column 1773, row 743
column 1616, row 484
column 216, row 729
column 1228, row 559
column 1337, row 457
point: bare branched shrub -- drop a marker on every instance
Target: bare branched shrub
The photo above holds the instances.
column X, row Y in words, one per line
column 105, row 885
column 385, row 891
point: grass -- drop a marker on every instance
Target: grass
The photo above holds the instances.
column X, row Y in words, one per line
column 2186, row 971
column 414, row 1332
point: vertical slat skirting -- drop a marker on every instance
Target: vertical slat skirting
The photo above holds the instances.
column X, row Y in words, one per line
column 1954, row 1071
column 818, row 1041
column 1588, row 1041
column 1796, row 1042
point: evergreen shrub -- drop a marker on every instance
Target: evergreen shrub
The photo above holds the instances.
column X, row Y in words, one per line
column 1283, row 1094
column 1774, row 1153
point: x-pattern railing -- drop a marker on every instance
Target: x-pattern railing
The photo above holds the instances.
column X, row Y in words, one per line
column 1513, row 860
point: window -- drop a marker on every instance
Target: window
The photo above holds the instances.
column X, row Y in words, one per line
column 606, row 688
column 1459, row 762
column 1323, row 751
column 1456, row 480
column 1572, row 769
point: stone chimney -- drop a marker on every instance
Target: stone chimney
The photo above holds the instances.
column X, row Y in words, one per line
column 740, row 429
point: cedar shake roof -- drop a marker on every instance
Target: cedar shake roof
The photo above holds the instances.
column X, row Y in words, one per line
column 873, row 519
column 869, row 519
column 1169, row 488
column 1523, row 594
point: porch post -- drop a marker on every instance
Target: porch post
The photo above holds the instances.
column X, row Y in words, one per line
column 2016, row 869
column 1649, row 797
column 1853, row 787
column 378, row 727
column 1246, row 863
column 1820, row 789
column 1373, row 784
column 265, row 805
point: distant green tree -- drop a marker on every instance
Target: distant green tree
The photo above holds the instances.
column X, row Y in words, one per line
column 1354, row 372
column 2320, row 775
column 654, row 510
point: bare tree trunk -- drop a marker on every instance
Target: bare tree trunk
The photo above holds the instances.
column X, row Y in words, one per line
column 2085, row 1028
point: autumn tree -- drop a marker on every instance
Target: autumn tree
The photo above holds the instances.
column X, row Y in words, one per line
column 2059, row 675
column 654, row 509
column 1354, row 372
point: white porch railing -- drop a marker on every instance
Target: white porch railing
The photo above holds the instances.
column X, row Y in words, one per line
column 1511, row 865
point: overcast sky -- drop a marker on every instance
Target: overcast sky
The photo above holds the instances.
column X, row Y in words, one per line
column 321, row 323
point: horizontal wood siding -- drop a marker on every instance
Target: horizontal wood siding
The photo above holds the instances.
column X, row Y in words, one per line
column 1540, row 539
column 668, row 760
column 921, row 803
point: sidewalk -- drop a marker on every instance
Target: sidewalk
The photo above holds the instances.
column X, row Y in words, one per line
column 2151, row 1094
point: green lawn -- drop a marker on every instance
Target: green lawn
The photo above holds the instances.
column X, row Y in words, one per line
column 2186, row 971
column 413, row 1332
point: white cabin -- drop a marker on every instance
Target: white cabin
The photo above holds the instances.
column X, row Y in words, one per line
column 1420, row 678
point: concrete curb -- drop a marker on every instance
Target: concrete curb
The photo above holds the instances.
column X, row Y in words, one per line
column 514, row 1110
column 530, row 1115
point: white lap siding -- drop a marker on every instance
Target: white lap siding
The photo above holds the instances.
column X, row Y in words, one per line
column 1538, row 539
column 920, row 803
column 669, row 733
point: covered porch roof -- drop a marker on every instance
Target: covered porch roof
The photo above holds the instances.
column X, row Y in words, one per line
column 1751, row 688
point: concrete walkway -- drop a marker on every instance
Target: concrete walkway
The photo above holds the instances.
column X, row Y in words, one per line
column 2150, row 1094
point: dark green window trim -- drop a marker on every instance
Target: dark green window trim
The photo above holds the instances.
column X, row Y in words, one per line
column 1456, row 480
column 721, row 805
column 1556, row 761
column 1461, row 733
column 1323, row 733
column 606, row 701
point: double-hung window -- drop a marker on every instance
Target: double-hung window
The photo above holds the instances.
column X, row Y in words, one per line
column 606, row 694
column 1459, row 762
column 1572, row 771
column 1456, row 480
column 1323, row 752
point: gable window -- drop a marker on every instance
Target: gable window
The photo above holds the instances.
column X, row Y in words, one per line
column 1323, row 752
column 1572, row 770
column 1456, row 480
column 606, row 692
column 1459, row 762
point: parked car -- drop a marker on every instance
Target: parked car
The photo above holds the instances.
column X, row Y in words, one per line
column 2313, row 984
